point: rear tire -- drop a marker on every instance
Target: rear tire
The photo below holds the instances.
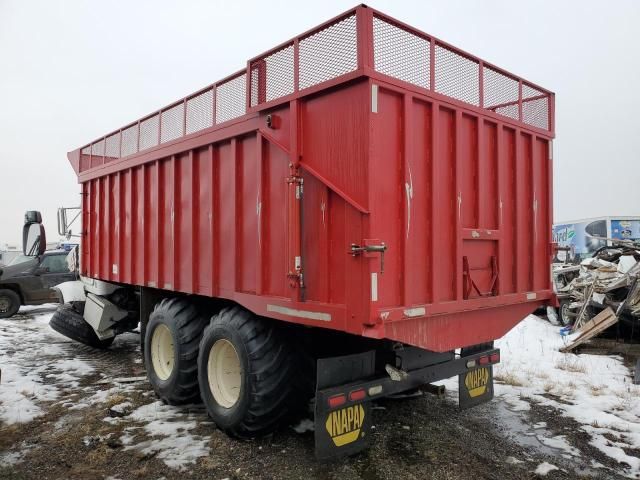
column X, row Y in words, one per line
column 563, row 311
column 246, row 371
column 67, row 321
column 9, row 303
column 171, row 342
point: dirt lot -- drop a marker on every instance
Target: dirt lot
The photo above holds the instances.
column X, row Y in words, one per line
column 67, row 411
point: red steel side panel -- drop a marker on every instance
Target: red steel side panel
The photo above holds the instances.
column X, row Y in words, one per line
column 418, row 168
column 462, row 205
column 460, row 201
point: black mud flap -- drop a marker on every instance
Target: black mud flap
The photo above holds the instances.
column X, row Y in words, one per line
column 343, row 429
column 475, row 386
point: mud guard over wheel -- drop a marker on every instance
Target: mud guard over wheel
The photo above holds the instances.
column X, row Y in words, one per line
column 69, row 322
column 171, row 344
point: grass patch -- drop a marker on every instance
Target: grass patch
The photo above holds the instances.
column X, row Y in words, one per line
column 571, row 365
column 509, row 378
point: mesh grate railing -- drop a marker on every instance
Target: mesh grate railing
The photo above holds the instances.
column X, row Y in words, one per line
column 112, row 147
column 172, row 123
column 149, row 132
column 328, row 52
column 272, row 77
column 200, row 112
column 501, row 93
column 129, row 141
column 230, row 99
column 405, row 54
column 535, row 107
column 457, row 76
column 401, row 54
column 97, row 149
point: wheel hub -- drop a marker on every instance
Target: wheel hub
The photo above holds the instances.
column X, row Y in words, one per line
column 224, row 373
column 162, row 352
column 4, row 304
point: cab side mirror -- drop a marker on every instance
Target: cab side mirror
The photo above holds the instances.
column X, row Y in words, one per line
column 62, row 222
column 34, row 241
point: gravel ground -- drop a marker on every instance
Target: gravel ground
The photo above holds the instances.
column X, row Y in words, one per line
column 95, row 425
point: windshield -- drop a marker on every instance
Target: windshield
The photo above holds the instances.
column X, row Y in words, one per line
column 19, row 259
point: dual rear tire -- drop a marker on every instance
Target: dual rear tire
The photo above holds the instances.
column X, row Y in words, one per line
column 242, row 367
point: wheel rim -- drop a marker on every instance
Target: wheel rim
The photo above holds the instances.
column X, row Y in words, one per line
column 224, row 373
column 563, row 313
column 4, row 304
column 162, row 352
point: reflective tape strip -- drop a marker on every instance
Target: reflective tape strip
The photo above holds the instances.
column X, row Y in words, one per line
column 374, row 287
column 324, row 317
column 415, row 312
column 374, row 98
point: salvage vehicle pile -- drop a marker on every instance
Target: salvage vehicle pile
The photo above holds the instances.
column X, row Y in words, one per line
column 604, row 289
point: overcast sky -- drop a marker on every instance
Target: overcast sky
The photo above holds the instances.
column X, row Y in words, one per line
column 71, row 71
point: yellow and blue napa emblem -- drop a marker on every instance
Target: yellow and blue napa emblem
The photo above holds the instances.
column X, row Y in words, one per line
column 344, row 425
column 476, row 382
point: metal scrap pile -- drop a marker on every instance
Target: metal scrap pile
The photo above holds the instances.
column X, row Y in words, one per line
column 608, row 279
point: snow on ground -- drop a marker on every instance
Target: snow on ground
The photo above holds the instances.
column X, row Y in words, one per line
column 32, row 371
column 545, row 468
column 594, row 390
column 169, row 428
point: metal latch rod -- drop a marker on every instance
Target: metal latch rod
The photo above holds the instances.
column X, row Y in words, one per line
column 358, row 250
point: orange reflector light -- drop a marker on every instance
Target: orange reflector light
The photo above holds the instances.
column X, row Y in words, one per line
column 337, row 400
column 357, row 395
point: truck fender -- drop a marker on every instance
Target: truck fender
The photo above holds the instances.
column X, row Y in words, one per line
column 98, row 287
column 71, row 291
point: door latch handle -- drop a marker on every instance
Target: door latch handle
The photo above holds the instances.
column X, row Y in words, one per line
column 358, row 250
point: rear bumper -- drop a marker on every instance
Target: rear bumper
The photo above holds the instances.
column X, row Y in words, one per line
column 342, row 409
column 442, row 332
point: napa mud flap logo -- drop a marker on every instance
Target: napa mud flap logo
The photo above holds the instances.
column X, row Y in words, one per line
column 344, row 425
column 476, row 381
column 343, row 431
column 475, row 386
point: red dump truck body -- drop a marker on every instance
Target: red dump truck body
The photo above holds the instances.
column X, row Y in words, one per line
column 364, row 177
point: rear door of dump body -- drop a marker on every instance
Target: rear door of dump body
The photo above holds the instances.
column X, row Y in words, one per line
column 462, row 203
